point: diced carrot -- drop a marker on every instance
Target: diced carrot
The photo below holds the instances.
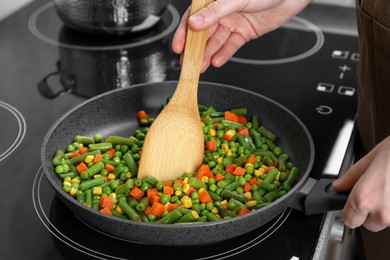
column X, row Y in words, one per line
column 106, row 179
column 230, row 168
column 267, row 169
column 204, row 197
column 172, row 206
column 111, row 153
column 151, row 192
column 157, row 209
column 242, row 120
column 82, row 167
column 239, row 171
column 168, row 183
column 106, row 211
column 98, row 157
column 243, row 211
column 219, row 177
column 168, row 190
column 247, row 187
column 215, row 125
column 83, row 149
column 136, row 192
column 204, row 118
column 231, row 116
column 253, row 181
column 203, row 168
column 110, row 168
column 244, row 131
column 211, row 145
column 142, row 115
column 74, row 154
column 154, row 198
column 180, row 182
column 106, row 202
column 190, row 190
column 251, row 159
column 147, row 210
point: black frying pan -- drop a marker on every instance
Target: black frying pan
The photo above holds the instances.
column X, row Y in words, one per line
column 114, row 113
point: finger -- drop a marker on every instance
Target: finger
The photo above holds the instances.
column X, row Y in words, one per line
column 211, row 14
column 352, row 215
column 179, row 37
column 235, row 42
column 348, row 180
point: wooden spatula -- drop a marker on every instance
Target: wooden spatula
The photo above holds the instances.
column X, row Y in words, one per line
column 174, row 144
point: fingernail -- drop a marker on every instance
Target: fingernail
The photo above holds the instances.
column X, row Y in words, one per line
column 196, row 19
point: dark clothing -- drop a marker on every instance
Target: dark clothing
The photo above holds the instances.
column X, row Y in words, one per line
column 373, row 19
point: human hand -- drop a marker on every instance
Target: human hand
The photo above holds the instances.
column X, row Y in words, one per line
column 369, row 181
column 232, row 23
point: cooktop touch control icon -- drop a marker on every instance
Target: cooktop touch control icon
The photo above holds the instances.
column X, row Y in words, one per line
column 347, row 91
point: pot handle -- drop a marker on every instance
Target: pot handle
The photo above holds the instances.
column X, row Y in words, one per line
column 322, row 197
column 68, row 82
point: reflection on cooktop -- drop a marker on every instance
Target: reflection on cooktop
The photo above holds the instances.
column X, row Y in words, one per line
column 45, row 24
column 296, row 40
column 12, row 130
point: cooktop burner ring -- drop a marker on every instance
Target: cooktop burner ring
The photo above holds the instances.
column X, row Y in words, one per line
column 48, row 15
column 295, row 23
column 20, row 132
column 42, row 208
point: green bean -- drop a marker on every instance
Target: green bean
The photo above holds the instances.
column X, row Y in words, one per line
column 256, row 138
column 211, row 216
column 266, row 133
column 232, row 186
column 282, row 162
column 242, row 111
column 291, row 177
column 255, row 122
column 91, row 183
column 151, row 180
column 84, row 139
column 114, row 139
column 130, row 164
column 96, row 168
column 125, row 187
column 267, row 186
column 88, row 198
column 271, row 196
column 118, row 215
column 270, row 176
column 59, row 157
column 243, row 142
column 170, row 218
column 80, row 158
column 143, row 203
column 262, row 153
column 214, row 196
column 196, row 183
column 186, row 218
column 230, row 124
column 231, row 194
column 80, row 196
column 100, row 146
column 129, row 211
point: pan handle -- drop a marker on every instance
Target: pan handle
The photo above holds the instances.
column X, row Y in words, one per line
column 322, row 197
column 67, row 82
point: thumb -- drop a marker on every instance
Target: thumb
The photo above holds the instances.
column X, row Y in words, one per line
column 212, row 13
column 348, row 180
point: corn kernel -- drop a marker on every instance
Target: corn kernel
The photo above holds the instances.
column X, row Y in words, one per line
column 73, row 191
column 97, row 190
column 225, row 147
column 212, row 132
column 96, row 176
column 89, row 158
column 259, row 172
column 201, row 190
column 214, row 210
column 248, row 195
column 251, row 203
column 112, row 195
column 75, row 179
column 186, row 187
column 224, row 202
column 230, row 132
column 66, row 183
column 220, row 160
column 277, row 177
column 187, row 202
column 111, row 176
column 248, row 165
column 204, row 179
column 119, row 209
column 178, row 193
column 194, row 214
column 128, row 175
column 229, row 153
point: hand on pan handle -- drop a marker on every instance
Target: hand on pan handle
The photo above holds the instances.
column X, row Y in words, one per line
column 369, row 181
column 232, row 23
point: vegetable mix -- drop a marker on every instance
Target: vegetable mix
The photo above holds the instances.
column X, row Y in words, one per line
column 243, row 170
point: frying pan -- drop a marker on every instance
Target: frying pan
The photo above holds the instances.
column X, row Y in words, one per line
column 114, row 113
